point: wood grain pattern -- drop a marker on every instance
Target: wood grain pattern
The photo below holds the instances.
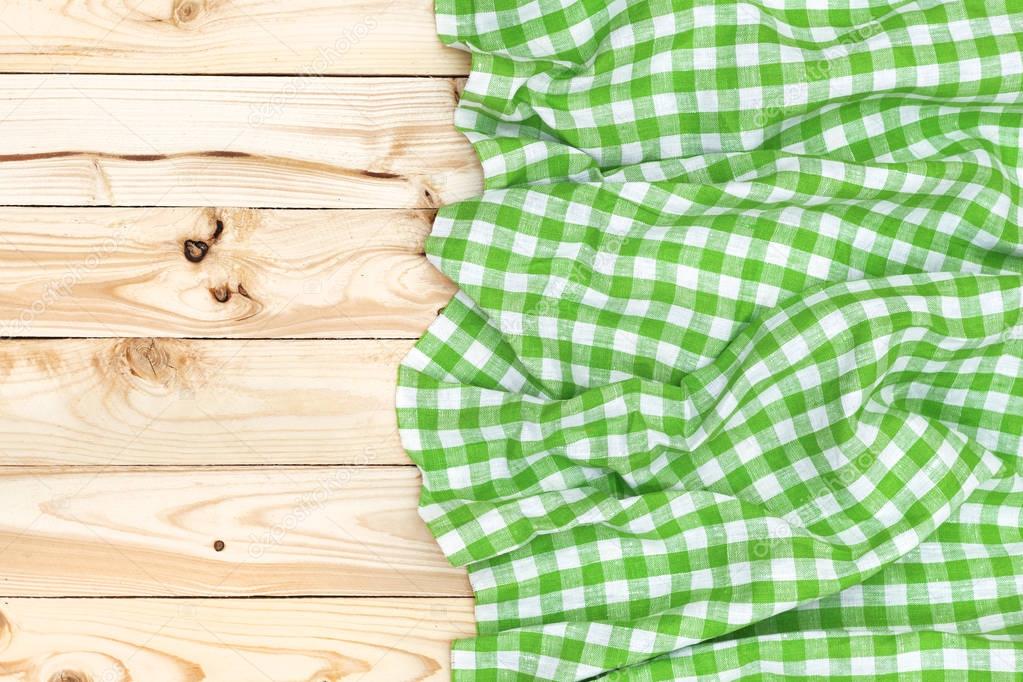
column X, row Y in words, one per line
column 192, row 402
column 340, row 531
column 317, row 37
column 218, row 341
column 232, row 141
column 187, row 640
column 216, row 273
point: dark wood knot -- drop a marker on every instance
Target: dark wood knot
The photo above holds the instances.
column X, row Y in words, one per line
column 195, row 250
column 222, row 293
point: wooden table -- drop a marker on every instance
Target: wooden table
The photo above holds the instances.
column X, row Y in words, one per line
column 212, row 216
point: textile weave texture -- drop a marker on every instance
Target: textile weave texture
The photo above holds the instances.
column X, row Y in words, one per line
column 732, row 388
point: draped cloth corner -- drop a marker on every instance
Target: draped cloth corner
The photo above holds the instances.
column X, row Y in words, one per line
column 732, row 387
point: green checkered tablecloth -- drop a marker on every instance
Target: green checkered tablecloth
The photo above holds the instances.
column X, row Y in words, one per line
column 733, row 385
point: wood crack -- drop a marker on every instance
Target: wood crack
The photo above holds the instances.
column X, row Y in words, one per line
column 95, row 156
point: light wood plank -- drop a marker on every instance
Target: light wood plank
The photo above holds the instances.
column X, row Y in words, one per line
column 316, row 37
column 232, row 141
column 216, row 272
column 226, row 640
column 192, row 402
column 332, row 531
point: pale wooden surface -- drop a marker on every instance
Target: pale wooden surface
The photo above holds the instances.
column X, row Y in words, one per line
column 187, row 401
column 176, row 428
column 266, row 273
column 99, row 140
column 293, row 640
column 314, row 37
column 149, row 531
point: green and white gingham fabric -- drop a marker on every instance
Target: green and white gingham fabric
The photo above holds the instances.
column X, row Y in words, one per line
column 733, row 385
